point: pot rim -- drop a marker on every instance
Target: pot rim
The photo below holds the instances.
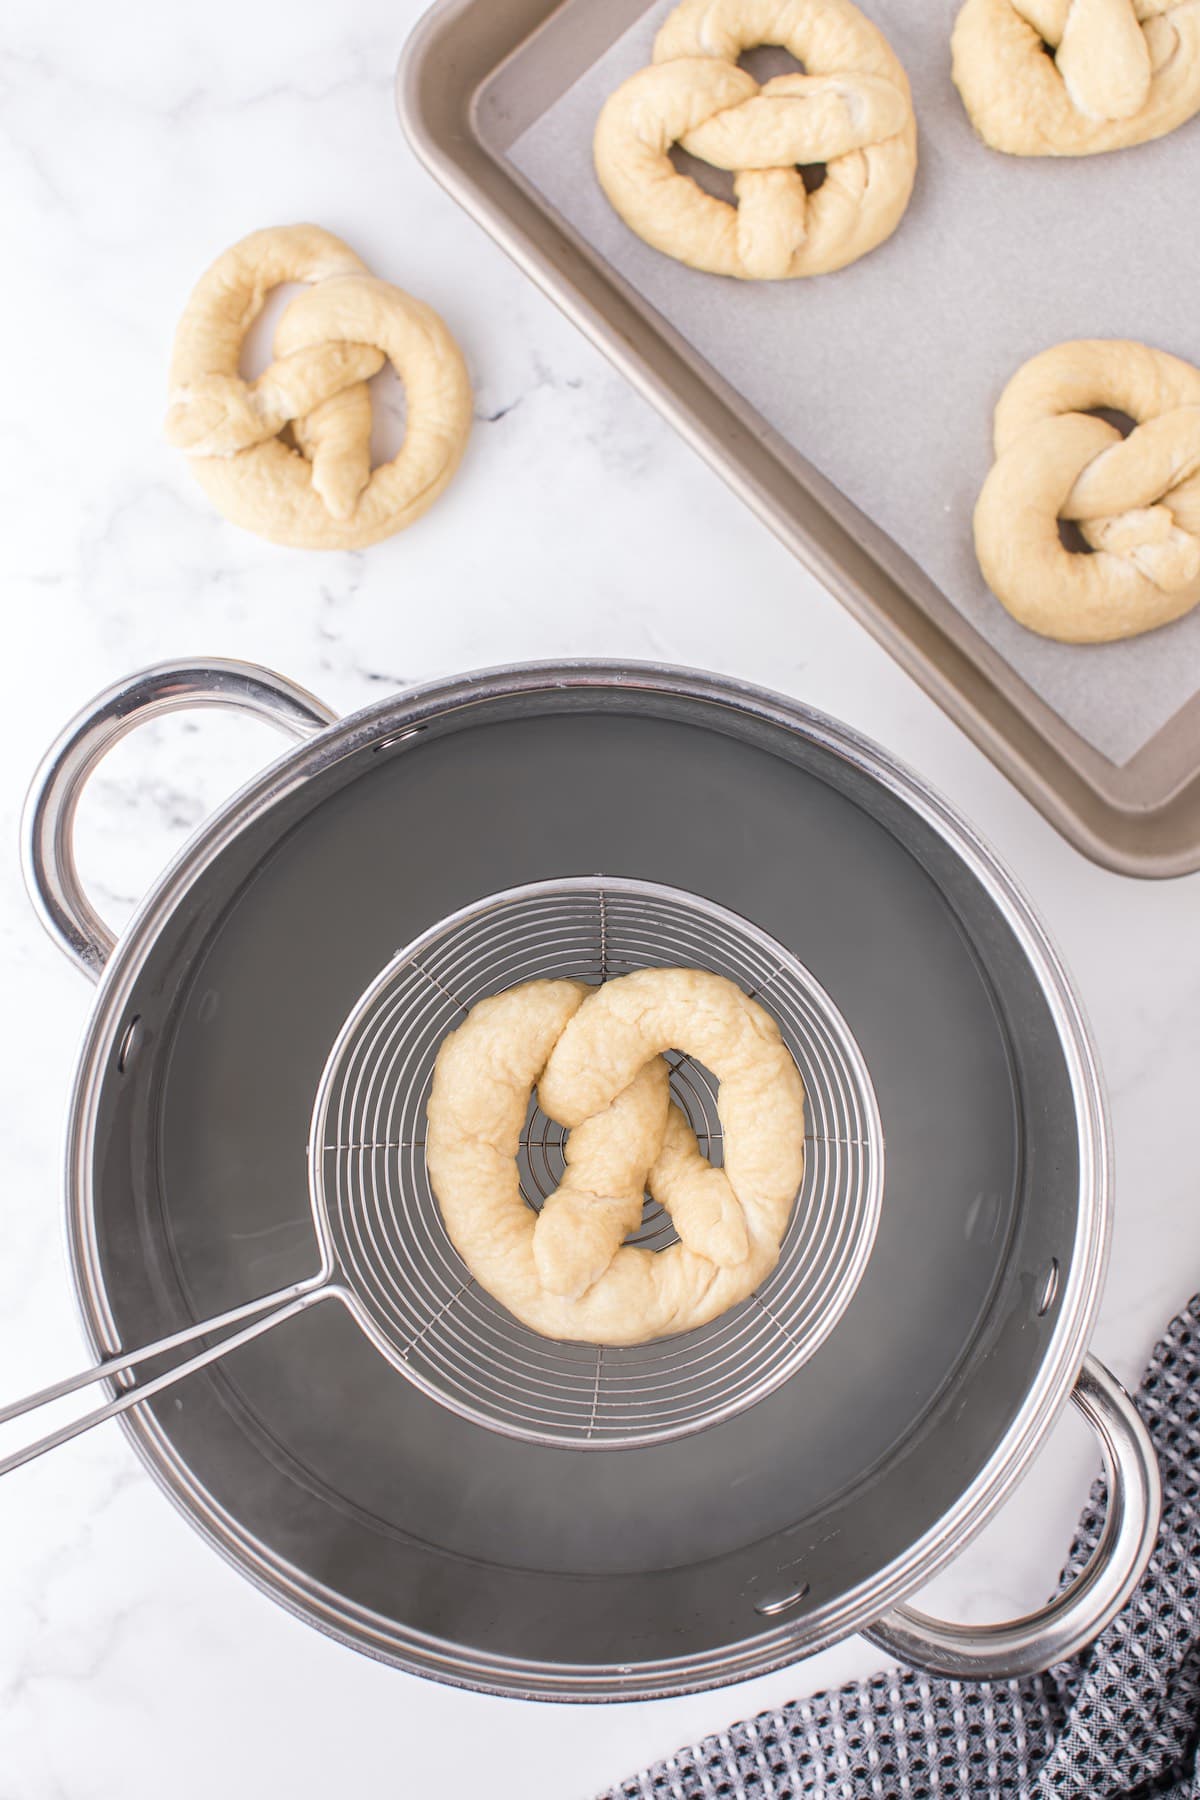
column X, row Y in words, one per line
column 421, row 1653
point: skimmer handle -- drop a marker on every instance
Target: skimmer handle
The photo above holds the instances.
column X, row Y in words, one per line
column 263, row 1315
column 50, row 871
column 1080, row 1611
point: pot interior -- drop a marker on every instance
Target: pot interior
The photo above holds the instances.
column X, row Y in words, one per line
column 429, row 1539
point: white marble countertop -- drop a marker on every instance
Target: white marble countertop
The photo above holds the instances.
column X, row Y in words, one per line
column 137, row 142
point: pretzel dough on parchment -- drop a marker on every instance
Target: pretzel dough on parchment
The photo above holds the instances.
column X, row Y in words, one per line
column 850, row 110
column 595, row 1056
column 1135, row 500
column 1118, row 72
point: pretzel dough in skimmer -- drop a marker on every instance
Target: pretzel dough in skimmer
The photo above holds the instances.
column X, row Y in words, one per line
column 595, row 1056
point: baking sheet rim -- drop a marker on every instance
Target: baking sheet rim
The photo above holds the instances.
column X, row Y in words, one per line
column 1150, row 796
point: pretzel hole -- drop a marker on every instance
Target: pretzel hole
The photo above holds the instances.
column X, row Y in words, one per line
column 717, row 182
column 1123, row 422
column 389, row 415
column 258, row 344
column 766, row 61
column 1071, row 537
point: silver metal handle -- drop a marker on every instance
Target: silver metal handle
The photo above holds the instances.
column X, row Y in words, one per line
column 1079, row 1613
column 48, row 831
column 264, row 1314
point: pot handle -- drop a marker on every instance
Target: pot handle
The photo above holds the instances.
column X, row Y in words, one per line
column 48, row 829
column 1080, row 1611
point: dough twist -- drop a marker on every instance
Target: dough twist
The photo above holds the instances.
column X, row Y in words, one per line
column 595, row 1057
column 1120, row 72
column 850, row 110
column 322, row 494
column 1136, row 500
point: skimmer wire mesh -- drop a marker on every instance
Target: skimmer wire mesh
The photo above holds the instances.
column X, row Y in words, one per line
column 382, row 1229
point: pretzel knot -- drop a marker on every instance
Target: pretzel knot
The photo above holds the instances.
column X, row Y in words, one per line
column 1119, row 72
column 1136, row 500
column 595, row 1056
column 318, row 491
column 851, row 110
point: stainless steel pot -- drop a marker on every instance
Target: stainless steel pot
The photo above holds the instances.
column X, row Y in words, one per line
column 419, row 1536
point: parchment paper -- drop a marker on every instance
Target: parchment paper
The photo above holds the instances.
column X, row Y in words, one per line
column 884, row 376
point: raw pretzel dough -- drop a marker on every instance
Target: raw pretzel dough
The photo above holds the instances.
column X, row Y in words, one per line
column 1136, row 500
column 1122, row 72
column 851, row 110
column 323, row 495
column 595, row 1056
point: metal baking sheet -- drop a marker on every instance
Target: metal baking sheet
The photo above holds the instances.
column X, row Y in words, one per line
column 1105, row 739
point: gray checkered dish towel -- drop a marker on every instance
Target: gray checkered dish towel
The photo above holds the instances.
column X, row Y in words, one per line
column 1121, row 1720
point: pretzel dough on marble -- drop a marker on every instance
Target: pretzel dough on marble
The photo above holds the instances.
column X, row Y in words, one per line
column 595, row 1056
column 322, row 494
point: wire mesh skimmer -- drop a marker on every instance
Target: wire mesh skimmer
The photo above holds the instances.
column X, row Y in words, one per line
column 385, row 1253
